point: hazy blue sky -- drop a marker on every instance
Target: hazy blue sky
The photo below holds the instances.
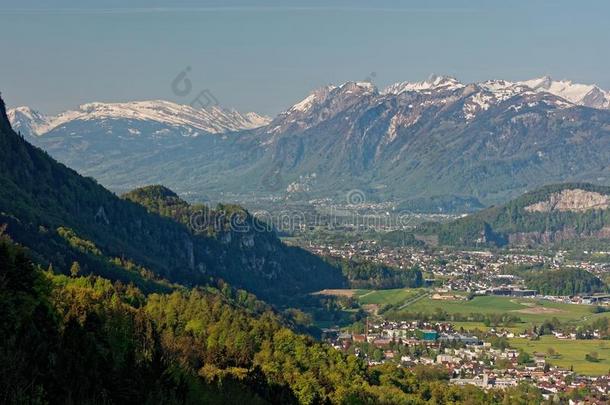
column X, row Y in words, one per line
column 265, row 55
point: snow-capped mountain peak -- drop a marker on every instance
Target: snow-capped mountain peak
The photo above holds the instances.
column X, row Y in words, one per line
column 362, row 87
column 435, row 92
column 433, row 83
column 211, row 120
column 317, row 96
column 322, row 104
column 543, row 82
column 26, row 120
column 580, row 94
column 588, row 95
column 321, row 94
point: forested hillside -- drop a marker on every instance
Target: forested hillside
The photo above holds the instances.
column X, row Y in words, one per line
column 57, row 214
column 86, row 340
column 377, row 276
column 551, row 214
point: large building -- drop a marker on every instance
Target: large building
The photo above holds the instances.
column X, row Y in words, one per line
column 427, row 334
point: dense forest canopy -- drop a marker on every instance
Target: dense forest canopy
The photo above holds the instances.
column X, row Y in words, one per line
column 564, row 282
column 363, row 274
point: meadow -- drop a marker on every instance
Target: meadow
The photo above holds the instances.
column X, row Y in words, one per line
column 376, row 297
column 407, row 301
column 530, row 311
column 391, row 297
column 569, row 353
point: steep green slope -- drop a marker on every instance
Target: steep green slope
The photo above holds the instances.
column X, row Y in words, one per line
column 52, row 210
column 555, row 213
column 85, row 340
column 216, row 223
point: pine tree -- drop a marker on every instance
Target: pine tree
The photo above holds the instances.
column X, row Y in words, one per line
column 75, row 269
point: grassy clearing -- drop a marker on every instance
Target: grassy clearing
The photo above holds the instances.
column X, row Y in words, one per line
column 481, row 326
column 530, row 311
column 382, row 297
column 343, row 292
column 571, row 353
column 376, row 297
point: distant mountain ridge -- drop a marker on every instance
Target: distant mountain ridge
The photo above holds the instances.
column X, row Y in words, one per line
column 588, row 95
column 213, row 120
column 437, row 144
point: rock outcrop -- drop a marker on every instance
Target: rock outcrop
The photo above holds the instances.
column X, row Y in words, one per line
column 575, row 200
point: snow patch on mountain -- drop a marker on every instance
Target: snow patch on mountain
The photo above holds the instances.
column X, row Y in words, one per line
column 359, row 87
column 316, row 97
column 322, row 104
column 399, row 121
column 478, row 102
column 503, row 90
column 435, row 92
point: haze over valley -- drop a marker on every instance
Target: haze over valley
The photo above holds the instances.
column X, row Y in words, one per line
column 270, row 202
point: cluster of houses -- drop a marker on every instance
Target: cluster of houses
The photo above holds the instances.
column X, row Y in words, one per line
column 480, row 366
column 468, row 359
column 405, row 333
column 550, row 382
column 472, row 271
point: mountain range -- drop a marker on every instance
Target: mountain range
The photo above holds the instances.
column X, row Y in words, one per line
column 425, row 145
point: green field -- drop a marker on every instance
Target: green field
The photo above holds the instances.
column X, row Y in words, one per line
column 571, row 353
column 530, row 311
column 382, row 297
column 481, row 326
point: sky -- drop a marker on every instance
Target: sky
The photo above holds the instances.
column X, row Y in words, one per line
column 264, row 56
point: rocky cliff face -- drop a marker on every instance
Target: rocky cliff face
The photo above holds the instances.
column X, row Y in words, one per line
column 575, row 200
column 550, row 237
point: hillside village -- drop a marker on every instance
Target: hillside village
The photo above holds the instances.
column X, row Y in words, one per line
column 467, row 359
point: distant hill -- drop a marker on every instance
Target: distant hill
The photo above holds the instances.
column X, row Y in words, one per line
column 551, row 214
column 63, row 217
